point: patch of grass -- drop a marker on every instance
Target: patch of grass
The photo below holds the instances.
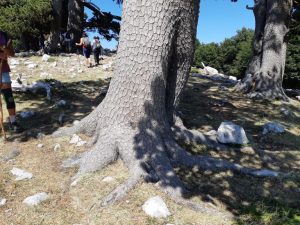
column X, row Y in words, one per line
column 269, row 212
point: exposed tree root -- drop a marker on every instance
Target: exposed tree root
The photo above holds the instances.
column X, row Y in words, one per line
column 152, row 159
column 87, row 126
column 193, row 136
column 258, row 87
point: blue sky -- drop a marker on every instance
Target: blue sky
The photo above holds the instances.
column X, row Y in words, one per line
column 219, row 19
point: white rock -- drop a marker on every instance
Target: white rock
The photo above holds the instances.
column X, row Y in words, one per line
column 230, row 133
column 14, row 62
column 40, row 145
column 36, row 199
column 28, row 63
column 272, row 127
column 76, row 122
column 232, row 78
column 27, row 114
column 54, row 64
column 32, row 66
column 156, row 207
column 46, row 58
column 21, row 174
column 105, row 67
column 75, row 139
column 298, row 97
column 108, row 179
column 80, row 143
column 2, row 201
column 57, row 147
column 44, row 75
column 80, row 71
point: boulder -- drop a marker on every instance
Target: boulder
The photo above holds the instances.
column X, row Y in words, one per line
column 21, row 174
column 209, row 70
column 156, row 207
column 272, row 127
column 36, row 199
column 230, row 133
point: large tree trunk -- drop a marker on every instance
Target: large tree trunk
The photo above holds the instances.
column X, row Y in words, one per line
column 75, row 19
column 135, row 120
column 53, row 39
column 264, row 75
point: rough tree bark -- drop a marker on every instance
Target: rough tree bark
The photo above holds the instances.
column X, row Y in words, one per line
column 135, row 122
column 265, row 72
column 53, row 39
column 75, row 18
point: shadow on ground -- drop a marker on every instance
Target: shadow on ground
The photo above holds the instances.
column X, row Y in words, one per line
column 80, row 99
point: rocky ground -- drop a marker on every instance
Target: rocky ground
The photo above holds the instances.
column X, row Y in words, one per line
column 35, row 189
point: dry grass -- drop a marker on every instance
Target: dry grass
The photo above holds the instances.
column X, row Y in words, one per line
column 249, row 200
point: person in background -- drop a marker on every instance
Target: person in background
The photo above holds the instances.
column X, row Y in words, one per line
column 96, row 49
column 86, row 47
column 6, row 50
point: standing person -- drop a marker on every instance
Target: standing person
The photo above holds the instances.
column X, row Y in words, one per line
column 86, row 47
column 6, row 50
column 96, row 49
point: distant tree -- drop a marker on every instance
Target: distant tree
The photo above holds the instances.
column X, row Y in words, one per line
column 292, row 71
column 264, row 75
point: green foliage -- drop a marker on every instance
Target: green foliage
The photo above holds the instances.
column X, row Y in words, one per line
column 230, row 57
column 292, row 70
column 25, row 16
column 233, row 55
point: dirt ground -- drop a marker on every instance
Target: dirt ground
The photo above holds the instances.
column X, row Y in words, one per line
column 204, row 106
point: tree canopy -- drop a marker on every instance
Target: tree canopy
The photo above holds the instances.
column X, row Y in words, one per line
column 25, row 16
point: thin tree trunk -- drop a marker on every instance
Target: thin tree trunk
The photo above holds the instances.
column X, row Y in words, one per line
column 265, row 72
column 75, row 18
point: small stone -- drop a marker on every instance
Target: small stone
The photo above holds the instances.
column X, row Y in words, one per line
column 2, row 202
column 108, row 179
column 230, row 133
column 21, row 174
column 232, row 78
column 57, row 147
column 76, row 122
column 40, row 136
column 248, row 150
column 36, row 199
column 32, row 66
column 156, row 207
column 11, row 155
column 272, row 127
column 46, row 58
column 75, row 138
column 80, row 143
column 40, row 145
